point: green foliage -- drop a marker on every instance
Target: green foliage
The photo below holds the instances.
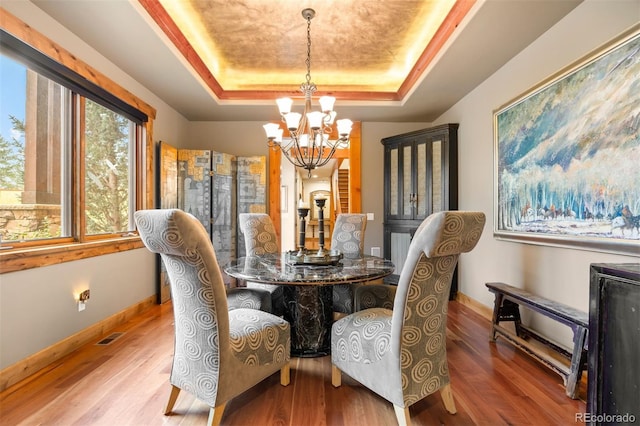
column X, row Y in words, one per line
column 107, row 140
column 12, row 158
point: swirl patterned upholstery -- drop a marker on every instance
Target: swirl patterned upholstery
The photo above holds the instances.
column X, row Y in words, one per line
column 374, row 296
column 401, row 354
column 348, row 237
column 219, row 353
column 260, row 238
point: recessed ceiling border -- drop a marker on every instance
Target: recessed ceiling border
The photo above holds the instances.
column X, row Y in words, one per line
column 168, row 26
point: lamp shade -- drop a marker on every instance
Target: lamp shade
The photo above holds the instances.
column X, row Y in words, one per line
column 344, row 126
column 293, row 120
column 279, row 136
column 271, row 129
column 315, row 119
column 326, row 103
column 284, row 105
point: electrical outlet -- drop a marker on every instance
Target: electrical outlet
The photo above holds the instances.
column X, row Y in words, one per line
column 375, row 251
column 370, row 216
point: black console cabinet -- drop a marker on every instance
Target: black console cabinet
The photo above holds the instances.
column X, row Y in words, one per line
column 420, row 178
column 614, row 344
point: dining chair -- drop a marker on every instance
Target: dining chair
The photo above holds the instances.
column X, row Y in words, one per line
column 348, row 237
column 218, row 353
column 260, row 238
column 400, row 354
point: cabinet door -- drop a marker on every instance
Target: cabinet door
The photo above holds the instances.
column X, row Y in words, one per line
column 430, row 188
column 422, row 192
column 396, row 245
column 400, row 185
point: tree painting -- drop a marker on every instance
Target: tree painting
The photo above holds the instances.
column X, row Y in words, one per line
column 568, row 155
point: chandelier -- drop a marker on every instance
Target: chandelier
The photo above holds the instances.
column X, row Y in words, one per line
column 308, row 145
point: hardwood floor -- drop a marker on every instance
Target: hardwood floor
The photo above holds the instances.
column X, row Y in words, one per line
column 126, row 383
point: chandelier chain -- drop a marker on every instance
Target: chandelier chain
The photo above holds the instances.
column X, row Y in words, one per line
column 308, row 61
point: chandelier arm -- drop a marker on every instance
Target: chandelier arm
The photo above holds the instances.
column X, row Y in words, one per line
column 293, row 145
column 300, row 157
column 293, row 160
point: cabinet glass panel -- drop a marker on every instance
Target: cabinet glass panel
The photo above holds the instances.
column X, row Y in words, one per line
column 393, row 181
column 407, row 187
column 400, row 242
column 421, row 173
column 436, row 178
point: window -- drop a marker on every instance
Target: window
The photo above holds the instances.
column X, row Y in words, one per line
column 36, row 195
column 72, row 154
column 35, row 142
column 109, row 141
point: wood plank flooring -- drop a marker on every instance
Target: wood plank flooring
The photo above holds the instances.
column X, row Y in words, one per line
column 126, row 383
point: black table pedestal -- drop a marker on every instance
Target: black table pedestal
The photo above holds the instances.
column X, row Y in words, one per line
column 309, row 311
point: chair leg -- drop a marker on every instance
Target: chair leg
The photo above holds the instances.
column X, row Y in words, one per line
column 447, row 398
column 402, row 415
column 215, row 415
column 336, row 376
column 175, row 391
column 285, row 374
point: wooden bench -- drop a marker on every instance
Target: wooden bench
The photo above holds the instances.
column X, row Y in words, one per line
column 508, row 300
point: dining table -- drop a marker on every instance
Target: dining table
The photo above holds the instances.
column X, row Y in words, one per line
column 308, row 291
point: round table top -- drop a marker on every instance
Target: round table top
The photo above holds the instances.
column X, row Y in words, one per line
column 274, row 269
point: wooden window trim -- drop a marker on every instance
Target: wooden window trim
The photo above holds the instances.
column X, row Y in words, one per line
column 34, row 257
column 26, row 255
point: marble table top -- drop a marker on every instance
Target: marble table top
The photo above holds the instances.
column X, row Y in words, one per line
column 273, row 269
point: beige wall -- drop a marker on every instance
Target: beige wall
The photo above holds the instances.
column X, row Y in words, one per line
column 557, row 273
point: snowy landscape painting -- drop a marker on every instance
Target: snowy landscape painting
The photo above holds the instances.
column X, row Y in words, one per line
column 567, row 156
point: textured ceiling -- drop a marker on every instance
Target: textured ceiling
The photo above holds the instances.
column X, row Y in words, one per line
column 359, row 49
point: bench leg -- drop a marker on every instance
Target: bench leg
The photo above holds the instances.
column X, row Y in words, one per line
column 505, row 310
column 511, row 312
column 577, row 361
column 496, row 314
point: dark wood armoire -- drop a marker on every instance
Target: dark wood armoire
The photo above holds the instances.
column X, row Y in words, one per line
column 420, row 178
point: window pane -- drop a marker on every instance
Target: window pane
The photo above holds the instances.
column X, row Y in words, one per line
column 34, row 116
column 108, row 153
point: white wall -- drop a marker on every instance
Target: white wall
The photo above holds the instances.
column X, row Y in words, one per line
column 557, row 273
column 36, row 306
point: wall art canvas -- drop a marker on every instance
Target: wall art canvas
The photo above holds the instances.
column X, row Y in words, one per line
column 567, row 156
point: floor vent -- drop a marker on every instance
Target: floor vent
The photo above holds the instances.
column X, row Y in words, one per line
column 110, row 339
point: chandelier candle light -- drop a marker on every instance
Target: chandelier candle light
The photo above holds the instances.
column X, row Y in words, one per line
column 308, row 145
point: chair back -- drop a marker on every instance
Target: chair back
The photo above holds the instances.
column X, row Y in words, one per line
column 259, row 234
column 348, row 234
column 420, row 308
column 198, row 296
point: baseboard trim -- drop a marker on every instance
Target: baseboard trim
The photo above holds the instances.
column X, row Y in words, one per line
column 38, row 362
column 475, row 306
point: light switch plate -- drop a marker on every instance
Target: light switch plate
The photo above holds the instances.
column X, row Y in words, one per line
column 369, row 216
